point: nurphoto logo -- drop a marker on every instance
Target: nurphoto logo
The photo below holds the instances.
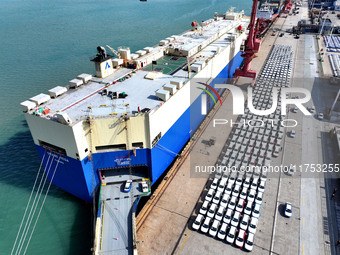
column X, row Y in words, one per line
column 239, row 101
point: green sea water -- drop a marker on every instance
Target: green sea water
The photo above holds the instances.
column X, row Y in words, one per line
column 44, row 44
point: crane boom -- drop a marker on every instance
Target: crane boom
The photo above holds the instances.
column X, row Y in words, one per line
column 114, row 51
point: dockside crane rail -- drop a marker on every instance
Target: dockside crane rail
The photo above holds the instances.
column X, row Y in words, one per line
column 251, row 46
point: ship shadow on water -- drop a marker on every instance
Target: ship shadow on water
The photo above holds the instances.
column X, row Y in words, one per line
column 19, row 166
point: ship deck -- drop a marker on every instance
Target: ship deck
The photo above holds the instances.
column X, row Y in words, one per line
column 86, row 100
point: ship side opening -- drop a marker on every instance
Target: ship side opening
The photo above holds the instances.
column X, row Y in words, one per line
column 52, row 147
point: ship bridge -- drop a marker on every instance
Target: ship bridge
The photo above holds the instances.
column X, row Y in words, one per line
column 115, row 226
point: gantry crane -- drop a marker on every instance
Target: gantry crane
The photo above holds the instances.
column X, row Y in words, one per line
column 251, row 46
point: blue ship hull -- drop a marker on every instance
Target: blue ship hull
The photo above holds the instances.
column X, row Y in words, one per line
column 81, row 178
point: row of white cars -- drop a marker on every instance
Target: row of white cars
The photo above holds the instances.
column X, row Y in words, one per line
column 231, row 208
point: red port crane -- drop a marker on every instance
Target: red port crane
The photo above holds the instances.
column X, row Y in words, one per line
column 251, row 46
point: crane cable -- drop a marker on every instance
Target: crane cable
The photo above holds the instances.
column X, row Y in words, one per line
column 30, row 215
column 42, row 205
column 29, row 200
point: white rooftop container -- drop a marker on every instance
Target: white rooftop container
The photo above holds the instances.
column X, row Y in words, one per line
column 57, row 91
column 84, row 77
column 141, row 52
column 163, row 94
column 171, row 88
column 163, row 42
column 75, row 83
column 134, row 56
column 148, row 49
column 40, row 99
column 170, row 39
column 178, row 83
column 117, row 62
column 27, row 105
column 196, row 67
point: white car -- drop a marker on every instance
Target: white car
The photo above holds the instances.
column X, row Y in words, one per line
column 221, row 186
column 249, row 208
column 288, row 210
column 225, row 200
column 204, row 208
column 212, row 211
column 210, row 195
column 232, row 203
column 214, row 184
column 256, row 211
column 311, row 109
column 236, row 191
column 250, row 242
column 292, row 133
column 243, row 194
column 229, row 189
column 220, row 213
column 232, row 178
column 251, row 195
column 254, row 183
column 253, row 225
column 214, row 228
column 217, row 197
column 240, row 205
column 198, row 221
column 223, row 231
column 276, row 151
column 294, row 110
column 128, row 185
column 264, row 176
column 206, row 225
column 259, row 198
column 244, row 222
column 228, row 215
column 218, row 174
column 236, row 219
column 261, row 186
column 240, row 238
column 246, row 182
column 320, row 116
column 231, row 235
column 145, row 187
column 239, row 181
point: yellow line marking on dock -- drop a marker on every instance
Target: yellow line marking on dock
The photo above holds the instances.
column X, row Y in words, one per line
column 184, row 242
column 303, row 185
column 303, row 223
column 303, row 248
column 303, row 200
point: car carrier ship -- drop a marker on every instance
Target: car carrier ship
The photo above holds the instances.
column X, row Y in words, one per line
column 138, row 110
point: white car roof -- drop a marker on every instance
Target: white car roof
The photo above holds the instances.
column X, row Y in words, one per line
column 207, row 220
column 257, row 206
column 241, row 231
column 232, row 230
column 213, row 206
column 249, row 203
column 254, row 220
column 250, row 237
column 199, row 217
column 215, row 223
column 246, row 216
